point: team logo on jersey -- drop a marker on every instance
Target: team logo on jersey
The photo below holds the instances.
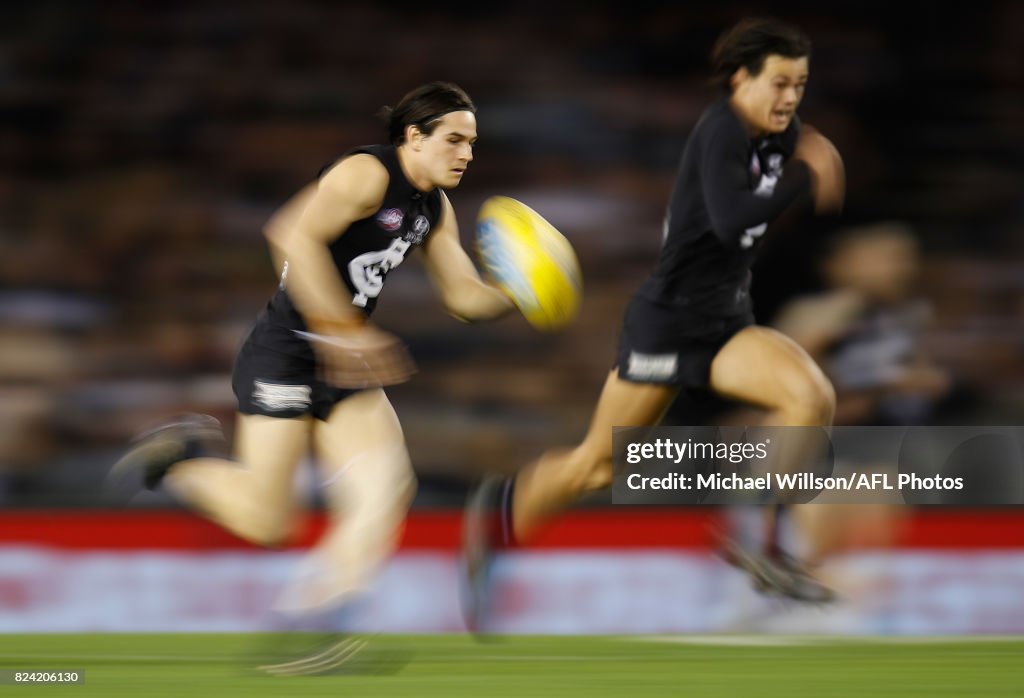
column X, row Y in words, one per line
column 766, row 185
column 390, row 219
column 419, row 230
column 367, row 271
column 768, row 177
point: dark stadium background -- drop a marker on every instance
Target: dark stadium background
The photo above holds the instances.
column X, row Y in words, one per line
column 145, row 143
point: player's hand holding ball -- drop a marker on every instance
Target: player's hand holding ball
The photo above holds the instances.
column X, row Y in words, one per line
column 530, row 261
column 828, row 176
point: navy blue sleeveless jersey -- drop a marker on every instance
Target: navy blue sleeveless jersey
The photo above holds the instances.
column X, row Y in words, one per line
column 364, row 254
column 730, row 186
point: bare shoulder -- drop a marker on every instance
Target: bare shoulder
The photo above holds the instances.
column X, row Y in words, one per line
column 360, row 166
column 360, row 177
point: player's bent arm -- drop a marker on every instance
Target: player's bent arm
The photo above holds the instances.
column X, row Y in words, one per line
column 281, row 223
column 465, row 295
column 732, row 205
column 352, row 190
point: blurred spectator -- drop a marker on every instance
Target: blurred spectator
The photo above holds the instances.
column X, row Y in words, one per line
column 866, row 329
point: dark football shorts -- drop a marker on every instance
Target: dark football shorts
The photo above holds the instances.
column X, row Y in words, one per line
column 671, row 345
column 283, row 385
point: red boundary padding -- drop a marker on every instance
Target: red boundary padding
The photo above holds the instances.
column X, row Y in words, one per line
column 440, row 530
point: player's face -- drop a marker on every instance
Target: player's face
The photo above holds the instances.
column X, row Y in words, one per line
column 448, row 150
column 767, row 101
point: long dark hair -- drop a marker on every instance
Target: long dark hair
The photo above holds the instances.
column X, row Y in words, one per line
column 749, row 42
column 423, row 107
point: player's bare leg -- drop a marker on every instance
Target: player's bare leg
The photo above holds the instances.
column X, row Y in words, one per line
column 369, row 484
column 560, row 477
column 763, row 367
column 502, row 511
column 252, row 494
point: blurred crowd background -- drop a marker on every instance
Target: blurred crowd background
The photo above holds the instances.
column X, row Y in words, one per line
column 144, row 145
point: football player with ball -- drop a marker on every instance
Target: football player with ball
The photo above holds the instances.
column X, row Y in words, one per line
column 310, row 374
column 691, row 322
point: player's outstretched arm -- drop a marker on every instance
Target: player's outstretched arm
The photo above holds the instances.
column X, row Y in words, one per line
column 464, row 293
column 733, row 206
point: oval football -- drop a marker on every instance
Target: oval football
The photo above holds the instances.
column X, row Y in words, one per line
column 530, row 260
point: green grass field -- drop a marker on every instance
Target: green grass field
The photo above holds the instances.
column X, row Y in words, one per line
column 456, row 665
